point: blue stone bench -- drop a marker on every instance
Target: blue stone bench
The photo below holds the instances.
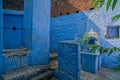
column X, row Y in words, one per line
column 69, row 60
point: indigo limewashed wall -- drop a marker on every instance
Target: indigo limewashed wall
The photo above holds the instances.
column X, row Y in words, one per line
column 1, row 36
column 40, row 32
column 36, row 22
column 101, row 19
column 69, row 60
column 66, row 27
column 12, row 38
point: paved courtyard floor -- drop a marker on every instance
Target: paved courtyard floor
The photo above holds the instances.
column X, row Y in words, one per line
column 104, row 74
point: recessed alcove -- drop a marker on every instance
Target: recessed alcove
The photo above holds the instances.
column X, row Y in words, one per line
column 24, row 33
column 14, row 33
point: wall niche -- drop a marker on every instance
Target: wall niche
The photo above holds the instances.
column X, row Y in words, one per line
column 13, row 4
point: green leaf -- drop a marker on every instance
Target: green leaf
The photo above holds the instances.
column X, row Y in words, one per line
column 102, row 2
column 110, row 52
column 93, row 2
column 116, row 17
column 96, row 3
column 101, row 50
column 116, row 68
column 81, row 40
column 114, row 49
column 106, row 50
column 114, row 4
column 109, row 2
column 93, row 50
column 93, row 47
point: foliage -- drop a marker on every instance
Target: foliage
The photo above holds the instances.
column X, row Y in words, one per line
column 85, row 38
column 102, row 50
column 117, row 68
column 116, row 17
column 94, row 47
column 110, row 3
column 84, row 42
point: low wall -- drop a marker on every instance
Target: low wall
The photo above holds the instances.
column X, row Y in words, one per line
column 68, row 27
column 69, row 60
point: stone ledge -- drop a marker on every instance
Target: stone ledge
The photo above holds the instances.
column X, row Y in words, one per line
column 24, row 72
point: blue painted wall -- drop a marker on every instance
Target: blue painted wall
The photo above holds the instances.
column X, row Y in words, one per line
column 70, row 26
column 27, row 23
column 40, row 32
column 99, row 20
column 12, row 38
column 1, row 37
column 36, row 21
column 69, row 60
column 66, row 27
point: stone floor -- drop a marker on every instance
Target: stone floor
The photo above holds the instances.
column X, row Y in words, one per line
column 46, row 73
column 103, row 74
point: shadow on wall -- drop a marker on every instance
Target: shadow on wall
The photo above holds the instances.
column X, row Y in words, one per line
column 73, row 26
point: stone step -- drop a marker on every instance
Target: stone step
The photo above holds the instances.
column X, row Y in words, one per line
column 53, row 56
column 54, row 61
column 44, row 76
column 54, row 64
column 54, row 78
column 25, row 72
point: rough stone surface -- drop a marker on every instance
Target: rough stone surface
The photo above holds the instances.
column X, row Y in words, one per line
column 32, row 32
column 90, row 62
column 99, row 20
column 1, row 36
column 54, row 61
column 26, row 72
column 66, row 28
column 69, row 61
column 103, row 74
column 40, row 32
column 73, row 26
